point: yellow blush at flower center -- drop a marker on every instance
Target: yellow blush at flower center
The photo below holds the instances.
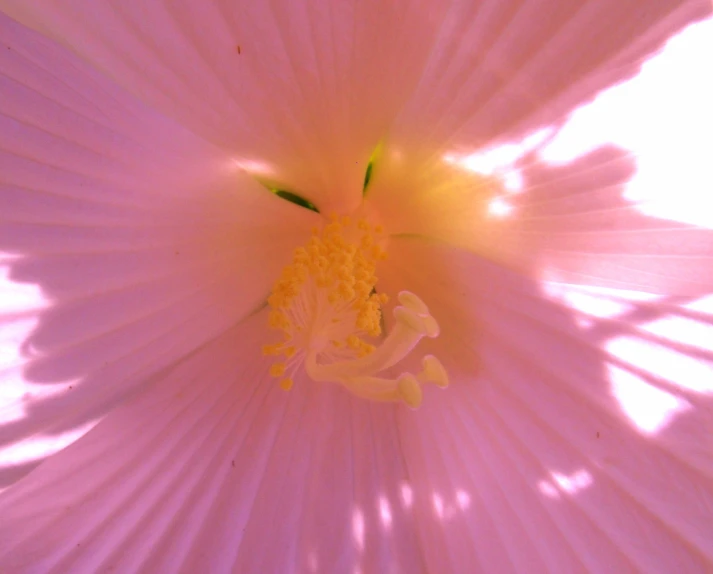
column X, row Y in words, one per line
column 328, row 310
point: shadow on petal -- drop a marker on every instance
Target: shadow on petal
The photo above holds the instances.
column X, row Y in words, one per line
column 127, row 243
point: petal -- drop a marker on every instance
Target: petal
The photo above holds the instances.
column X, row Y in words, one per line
column 564, row 442
column 620, row 195
column 125, row 243
column 212, row 468
column 494, row 73
column 565, row 194
column 301, row 94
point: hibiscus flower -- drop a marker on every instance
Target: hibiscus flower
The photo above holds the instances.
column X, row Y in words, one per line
column 356, row 286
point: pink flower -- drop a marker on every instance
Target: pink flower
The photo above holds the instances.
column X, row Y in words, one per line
column 542, row 175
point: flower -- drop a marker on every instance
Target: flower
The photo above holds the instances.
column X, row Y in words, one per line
column 539, row 171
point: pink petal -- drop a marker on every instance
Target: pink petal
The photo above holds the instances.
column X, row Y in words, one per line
column 613, row 193
column 301, row 94
column 572, row 449
column 581, row 444
column 501, row 68
column 619, row 195
column 126, row 243
column 213, row 468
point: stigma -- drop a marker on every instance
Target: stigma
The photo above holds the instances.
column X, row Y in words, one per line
column 329, row 312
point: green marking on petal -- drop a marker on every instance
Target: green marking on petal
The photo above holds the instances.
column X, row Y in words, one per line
column 367, row 176
column 370, row 168
column 272, row 186
column 296, row 199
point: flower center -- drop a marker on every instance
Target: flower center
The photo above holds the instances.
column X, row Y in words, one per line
column 326, row 305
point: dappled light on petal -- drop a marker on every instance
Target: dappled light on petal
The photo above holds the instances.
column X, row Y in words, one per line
column 546, row 424
column 649, row 407
column 559, row 484
column 618, row 196
column 663, row 117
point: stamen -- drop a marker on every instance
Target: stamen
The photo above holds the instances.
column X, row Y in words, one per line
column 326, row 305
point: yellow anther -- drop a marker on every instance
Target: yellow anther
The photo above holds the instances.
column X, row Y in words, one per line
column 286, row 384
column 277, row 320
column 277, row 370
column 271, row 350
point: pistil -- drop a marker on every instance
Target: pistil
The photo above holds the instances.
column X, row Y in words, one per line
column 329, row 313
